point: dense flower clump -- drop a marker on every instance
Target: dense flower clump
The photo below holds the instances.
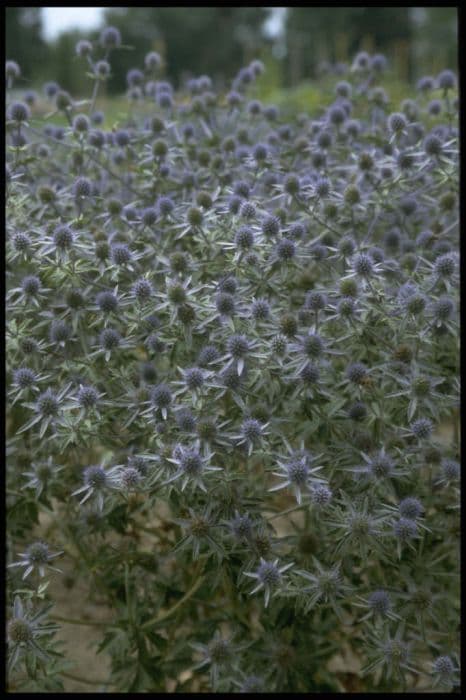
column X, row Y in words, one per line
column 233, row 340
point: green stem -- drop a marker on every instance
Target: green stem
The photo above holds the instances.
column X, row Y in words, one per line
column 82, row 679
column 168, row 613
column 285, row 512
column 71, row 621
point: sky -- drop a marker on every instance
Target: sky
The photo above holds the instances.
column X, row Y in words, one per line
column 59, row 19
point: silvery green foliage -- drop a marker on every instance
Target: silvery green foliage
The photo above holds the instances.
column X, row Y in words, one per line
column 232, row 346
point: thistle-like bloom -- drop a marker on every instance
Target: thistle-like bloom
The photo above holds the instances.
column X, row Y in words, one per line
column 96, row 480
column 378, row 605
column 218, row 653
column 445, row 671
column 191, row 465
column 326, row 585
column 24, row 628
column 249, row 683
column 194, row 379
column 298, row 474
column 200, row 529
column 239, row 348
column 421, row 428
column 37, row 556
column 392, row 653
column 450, row 471
column 241, row 526
column 252, row 433
column 41, row 474
column 378, row 467
column 269, row 577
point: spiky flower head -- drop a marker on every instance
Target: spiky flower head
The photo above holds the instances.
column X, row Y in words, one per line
column 397, row 122
column 410, row 508
column 19, row 112
column 405, row 529
column 110, row 37
column 356, row 372
column 379, row 602
column 422, row 428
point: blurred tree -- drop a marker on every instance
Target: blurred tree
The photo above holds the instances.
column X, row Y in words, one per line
column 315, row 34
column 23, row 39
column 69, row 70
column 219, row 40
column 435, row 27
column 212, row 40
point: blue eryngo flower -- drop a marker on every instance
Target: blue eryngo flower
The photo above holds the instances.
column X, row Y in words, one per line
column 219, row 654
column 186, row 420
column 445, row 671
column 120, row 254
column 445, row 265
column 48, row 409
column 381, row 466
column 25, row 628
column 397, row 122
column 249, row 683
column 12, row 70
column 391, row 653
column 194, row 379
column 97, row 480
column 109, row 340
column 356, row 372
column 298, row 474
column 422, row 428
column 130, row 478
column 161, row 399
column 363, row 265
column 41, row 474
column 37, row 557
column 165, row 205
column 405, row 530
column 191, row 465
column 442, row 309
column 142, row 290
column 325, row 585
column 410, row 508
column 241, row 526
column 269, row 577
column 88, row 398
column 152, row 60
column 59, row 332
column 446, row 80
column 19, row 112
column 239, row 348
column 252, row 433
column 107, row 302
column 200, row 532
column 426, row 83
column 31, row 285
column 321, row 495
column 25, row 378
column 260, row 310
column 81, row 123
column 450, row 471
column 378, row 604
column 83, row 48
column 110, row 37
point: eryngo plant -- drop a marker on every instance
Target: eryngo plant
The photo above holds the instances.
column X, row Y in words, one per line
column 232, row 350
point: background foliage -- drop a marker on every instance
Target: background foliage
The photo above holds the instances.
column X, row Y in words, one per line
column 218, row 40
